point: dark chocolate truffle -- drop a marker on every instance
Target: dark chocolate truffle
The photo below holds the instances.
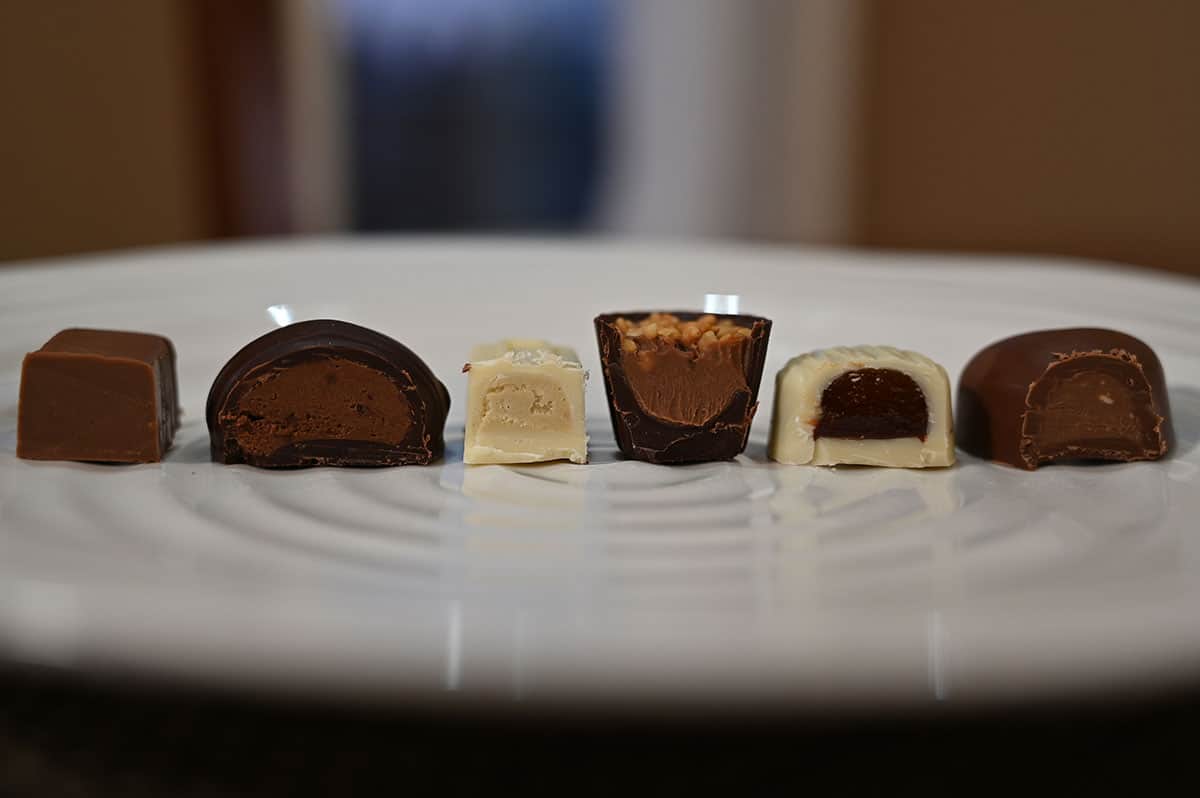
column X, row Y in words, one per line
column 1073, row 394
column 326, row 393
column 682, row 387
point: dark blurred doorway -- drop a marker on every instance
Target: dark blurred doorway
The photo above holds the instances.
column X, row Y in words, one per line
column 475, row 113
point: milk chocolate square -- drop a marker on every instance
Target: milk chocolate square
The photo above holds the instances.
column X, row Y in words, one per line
column 98, row 395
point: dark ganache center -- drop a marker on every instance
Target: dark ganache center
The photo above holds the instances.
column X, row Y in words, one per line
column 873, row 404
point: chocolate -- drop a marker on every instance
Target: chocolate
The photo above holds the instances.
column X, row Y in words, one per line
column 524, row 404
column 98, row 395
column 682, row 387
column 862, row 405
column 873, row 404
column 1070, row 394
column 326, row 393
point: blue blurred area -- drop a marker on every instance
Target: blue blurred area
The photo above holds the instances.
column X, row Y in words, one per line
column 476, row 113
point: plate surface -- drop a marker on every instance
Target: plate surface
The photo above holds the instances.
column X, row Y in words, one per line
column 737, row 583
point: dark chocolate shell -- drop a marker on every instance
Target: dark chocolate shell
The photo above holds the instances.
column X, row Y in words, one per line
column 720, row 435
column 326, row 392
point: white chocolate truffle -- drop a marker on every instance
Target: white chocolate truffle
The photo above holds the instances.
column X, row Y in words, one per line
column 888, row 407
column 524, row 404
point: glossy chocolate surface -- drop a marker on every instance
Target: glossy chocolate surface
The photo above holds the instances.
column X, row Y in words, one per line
column 99, row 395
column 330, row 393
column 873, row 404
column 1071, row 394
column 672, row 403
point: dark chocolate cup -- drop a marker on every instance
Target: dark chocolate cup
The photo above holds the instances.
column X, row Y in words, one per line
column 643, row 436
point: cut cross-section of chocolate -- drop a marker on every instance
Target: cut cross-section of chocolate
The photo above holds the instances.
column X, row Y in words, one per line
column 682, row 387
column 524, row 404
column 863, row 405
column 326, row 393
column 1069, row 394
column 873, row 404
column 99, row 395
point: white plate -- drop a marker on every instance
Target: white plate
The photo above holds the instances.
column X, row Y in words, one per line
column 728, row 583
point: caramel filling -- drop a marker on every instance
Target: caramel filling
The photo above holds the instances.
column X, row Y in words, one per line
column 686, row 387
column 684, row 372
column 324, row 399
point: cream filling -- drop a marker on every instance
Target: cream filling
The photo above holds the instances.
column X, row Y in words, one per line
column 525, row 406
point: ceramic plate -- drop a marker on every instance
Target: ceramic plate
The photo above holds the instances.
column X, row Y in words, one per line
column 741, row 583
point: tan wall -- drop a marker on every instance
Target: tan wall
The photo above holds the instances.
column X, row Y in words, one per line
column 1069, row 126
column 99, row 144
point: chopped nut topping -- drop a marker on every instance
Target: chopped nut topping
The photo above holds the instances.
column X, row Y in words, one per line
column 702, row 333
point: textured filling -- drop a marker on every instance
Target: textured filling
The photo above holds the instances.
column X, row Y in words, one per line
column 518, row 407
column 324, row 399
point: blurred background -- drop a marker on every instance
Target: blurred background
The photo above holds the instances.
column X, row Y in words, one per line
column 1070, row 126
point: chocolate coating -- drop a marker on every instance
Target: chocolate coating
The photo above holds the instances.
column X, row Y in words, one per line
column 99, row 395
column 696, row 408
column 1067, row 394
column 873, row 404
column 326, row 392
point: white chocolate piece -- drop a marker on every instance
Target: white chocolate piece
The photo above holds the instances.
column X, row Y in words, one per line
column 524, row 404
column 799, row 388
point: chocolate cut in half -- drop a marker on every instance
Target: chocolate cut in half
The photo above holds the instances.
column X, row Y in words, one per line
column 525, row 404
column 328, row 393
column 682, row 387
column 98, row 395
column 1071, row 394
column 862, row 405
